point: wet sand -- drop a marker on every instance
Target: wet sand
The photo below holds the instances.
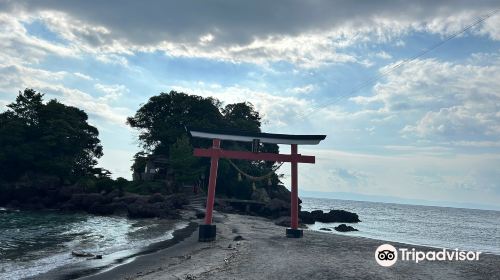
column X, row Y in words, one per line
column 265, row 253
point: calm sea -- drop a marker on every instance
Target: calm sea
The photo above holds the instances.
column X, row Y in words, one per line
column 443, row 227
column 35, row 242
column 32, row 243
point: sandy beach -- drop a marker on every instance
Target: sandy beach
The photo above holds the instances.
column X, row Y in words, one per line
column 265, row 253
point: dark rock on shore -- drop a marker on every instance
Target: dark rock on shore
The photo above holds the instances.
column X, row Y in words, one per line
column 333, row 216
column 82, row 254
column 101, row 209
column 157, row 197
column 344, row 228
column 157, row 206
column 238, row 238
column 267, row 201
column 151, row 210
column 84, row 201
column 65, row 193
column 200, row 214
column 306, row 218
column 325, row 229
column 276, row 208
column 71, row 198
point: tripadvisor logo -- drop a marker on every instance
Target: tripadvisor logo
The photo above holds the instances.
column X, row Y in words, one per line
column 387, row 255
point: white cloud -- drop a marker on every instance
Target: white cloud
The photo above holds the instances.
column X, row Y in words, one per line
column 95, row 107
column 461, row 177
column 19, row 47
column 383, row 55
column 302, row 90
column 111, row 58
column 457, row 122
column 491, row 28
column 348, row 178
column 419, row 150
column 454, row 102
column 476, row 143
column 305, row 50
column 3, row 104
column 277, row 111
column 448, row 100
column 206, row 39
column 14, row 78
column 246, row 36
column 112, row 92
column 83, row 76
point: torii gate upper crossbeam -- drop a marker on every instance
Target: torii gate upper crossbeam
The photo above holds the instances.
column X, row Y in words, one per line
column 253, row 156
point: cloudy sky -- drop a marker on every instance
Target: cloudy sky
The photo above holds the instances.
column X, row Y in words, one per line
column 403, row 118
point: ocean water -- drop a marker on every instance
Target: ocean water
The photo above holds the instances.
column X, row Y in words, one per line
column 32, row 243
column 442, row 227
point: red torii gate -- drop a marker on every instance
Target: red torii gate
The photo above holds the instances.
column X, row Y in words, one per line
column 207, row 231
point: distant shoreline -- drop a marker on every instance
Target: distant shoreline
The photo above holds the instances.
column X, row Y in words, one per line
column 397, row 200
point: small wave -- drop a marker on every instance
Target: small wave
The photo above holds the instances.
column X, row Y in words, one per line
column 30, row 254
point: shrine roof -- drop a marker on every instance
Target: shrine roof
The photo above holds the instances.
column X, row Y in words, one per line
column 246, row 136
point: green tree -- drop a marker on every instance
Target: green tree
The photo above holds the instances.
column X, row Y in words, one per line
column 242, row 116
column 162, row 121
column 164, row 118
column 27, row 106
column 140, row 160
column 185, row 166
column 49, row 139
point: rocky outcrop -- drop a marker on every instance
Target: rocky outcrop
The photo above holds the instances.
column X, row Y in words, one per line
column 306, row 218
column 333, row 216
column 200, row 214
column 157, row 197
column 280, row 192
column 283, row 221
column 72, row 198
column 269, row 201
column 157, row 206
column 274, row 202
column 344, row 228
column 84, row 201
column 276, row 208
column 83, row 254
column 261, row 195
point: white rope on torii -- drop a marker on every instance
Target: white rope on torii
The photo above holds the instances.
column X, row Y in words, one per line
column 254, row 178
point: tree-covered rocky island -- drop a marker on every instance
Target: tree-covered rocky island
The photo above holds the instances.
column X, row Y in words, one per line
column 162, row 124
column 49, row 153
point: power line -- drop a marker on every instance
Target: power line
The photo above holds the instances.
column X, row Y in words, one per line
column 399, row 65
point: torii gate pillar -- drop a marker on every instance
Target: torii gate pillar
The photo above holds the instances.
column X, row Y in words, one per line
column 294, row 232
column 207, row 231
